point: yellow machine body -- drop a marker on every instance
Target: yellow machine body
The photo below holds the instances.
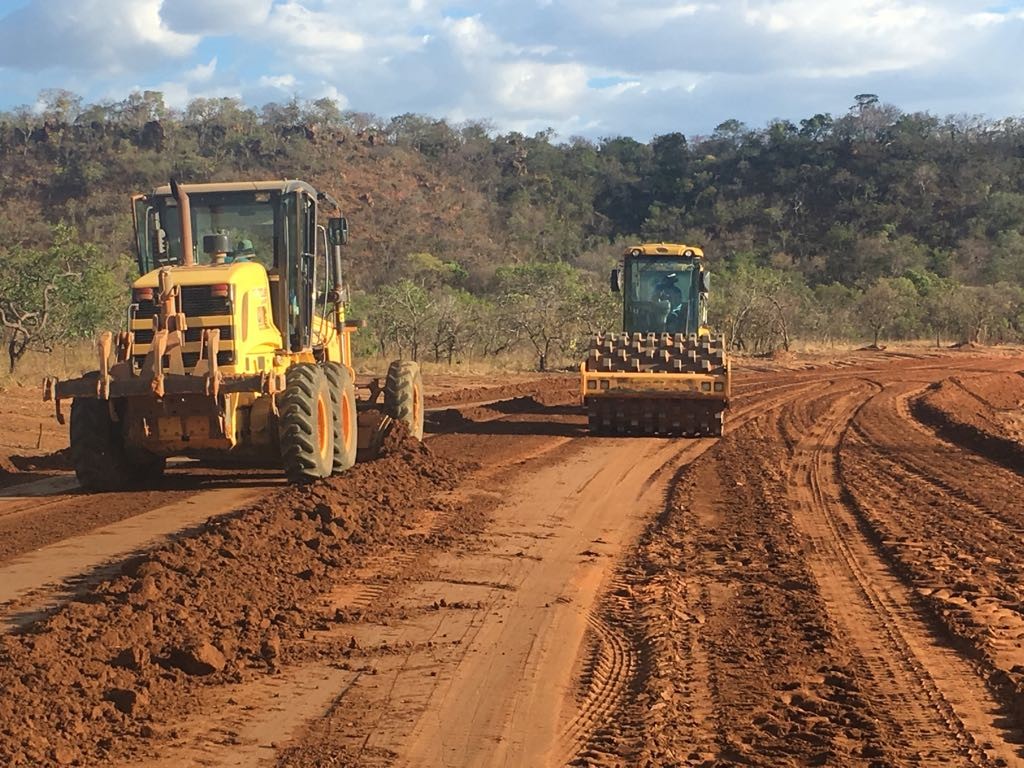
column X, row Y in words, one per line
column 667, row 373
column 210, row 393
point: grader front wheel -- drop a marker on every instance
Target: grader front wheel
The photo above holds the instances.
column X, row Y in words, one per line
column 306, row 426
column 343, row 400
column 98, row 453
column 403, row 396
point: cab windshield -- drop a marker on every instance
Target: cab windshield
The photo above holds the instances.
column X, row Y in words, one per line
column 247, row 218
column 658, row 293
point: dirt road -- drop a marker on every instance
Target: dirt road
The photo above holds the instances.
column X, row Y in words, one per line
column 837, row 581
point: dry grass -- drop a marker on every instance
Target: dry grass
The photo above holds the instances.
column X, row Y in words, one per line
column 64, row 362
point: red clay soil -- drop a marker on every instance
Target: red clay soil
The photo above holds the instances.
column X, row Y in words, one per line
column 93, row 681
column 948, row 518
column 983, row 413
column 32, row 443
column 720, row 601
column 567, row 385
column 821, row 590
column 834, row 582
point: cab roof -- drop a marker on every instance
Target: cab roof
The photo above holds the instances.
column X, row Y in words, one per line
column 281, row 185
column 664, row 249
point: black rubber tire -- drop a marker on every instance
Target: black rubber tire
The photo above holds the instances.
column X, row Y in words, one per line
column 403, row 395
column 98, row 453
column 305, row 426
column 343, row 401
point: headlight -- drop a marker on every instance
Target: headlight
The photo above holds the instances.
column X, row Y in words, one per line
column 635, row 252
column 688, row 253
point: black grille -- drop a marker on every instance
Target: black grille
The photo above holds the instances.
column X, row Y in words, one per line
column 189, row 359
column 145, row 335
column 196, row 334
column 195, row 300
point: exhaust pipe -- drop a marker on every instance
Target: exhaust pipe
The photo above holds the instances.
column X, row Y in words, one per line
column 185, row 216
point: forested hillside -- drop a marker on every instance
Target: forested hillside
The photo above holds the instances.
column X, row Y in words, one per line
column 467, row 241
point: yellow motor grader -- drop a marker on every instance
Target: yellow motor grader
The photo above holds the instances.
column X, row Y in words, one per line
column 666, row 374
column 237, row 348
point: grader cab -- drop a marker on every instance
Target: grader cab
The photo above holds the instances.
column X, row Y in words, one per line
column 236, row 347
column 666, row 374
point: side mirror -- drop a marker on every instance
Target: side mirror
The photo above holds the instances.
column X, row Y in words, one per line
column 337, row 230
column 705, row 282
column 615, row 281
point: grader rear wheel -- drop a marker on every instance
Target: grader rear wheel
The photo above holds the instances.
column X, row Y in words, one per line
column 343, row 402
column 403, row 396
column 306, row 425
column 98, row 453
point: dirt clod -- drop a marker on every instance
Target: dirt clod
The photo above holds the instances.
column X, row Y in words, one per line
column 131, row 702
column 197, row 659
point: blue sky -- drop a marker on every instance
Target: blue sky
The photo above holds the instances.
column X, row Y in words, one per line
column 583, row 67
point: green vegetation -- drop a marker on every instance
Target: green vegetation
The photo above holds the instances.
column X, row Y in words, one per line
column 56, row 295
column 876, row 224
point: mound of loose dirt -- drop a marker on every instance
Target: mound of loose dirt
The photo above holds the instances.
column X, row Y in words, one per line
column 91, row 682
column 543, row 395
column 984, row 414
column 541, row 388
column 56, row 460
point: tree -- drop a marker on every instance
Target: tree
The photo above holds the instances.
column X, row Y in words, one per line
column 758, row 308
column 983, row 311
column 890, row 305
column 55, row 295
column 545, row 302
column 455, row 322
column 401, row 316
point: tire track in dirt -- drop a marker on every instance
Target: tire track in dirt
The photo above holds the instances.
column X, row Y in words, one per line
column 737, row 664
column 952, row 528
column 678, row 606
column 611, row 666
column 933, row 702
column 832, row 697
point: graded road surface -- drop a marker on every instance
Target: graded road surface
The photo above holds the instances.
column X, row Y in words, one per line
column 837, row 581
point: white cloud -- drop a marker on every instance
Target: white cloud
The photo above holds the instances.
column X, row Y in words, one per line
column 529, row 86
column 281, row 82
column 599, row 67
column 469, row 36
column 94, row 35
column 202, row 73
column 295, row 26
column 214, row 17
